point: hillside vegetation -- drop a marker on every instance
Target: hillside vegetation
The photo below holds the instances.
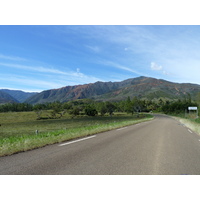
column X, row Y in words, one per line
column 6, row 98
column 145, row 88
column 141, row 87
column 18, row 95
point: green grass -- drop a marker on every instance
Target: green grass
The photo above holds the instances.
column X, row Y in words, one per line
column 189, row 121
column 17, row 130
column 195, row 126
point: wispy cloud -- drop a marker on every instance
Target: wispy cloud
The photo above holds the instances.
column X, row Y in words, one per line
column 175, row 49
column 47, row 78
column 95, row 49
column 165, row 73
column 13, row 58
column 48, row 81
column 86, row 54
column 34, row 68
column 25, row 82
column 119, row 66
column 73, row 75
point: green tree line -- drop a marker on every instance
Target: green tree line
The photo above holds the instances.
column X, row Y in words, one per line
column 93, row 108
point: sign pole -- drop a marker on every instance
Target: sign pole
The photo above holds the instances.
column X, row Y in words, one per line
column 193, row 108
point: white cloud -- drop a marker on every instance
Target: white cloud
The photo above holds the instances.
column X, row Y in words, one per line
column 159, row 68
column 73, row 75
column 34, row 68
column 165, row 73
column 46, row 82
column 22, row 89
column 45, row 77
column 95, row 49
column 156, row 67
column 14, row 58
column 119, row 66
column 80, row 78
column 78, row 70
column 27, row 81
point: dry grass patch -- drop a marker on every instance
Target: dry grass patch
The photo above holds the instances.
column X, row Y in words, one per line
column 191, row 124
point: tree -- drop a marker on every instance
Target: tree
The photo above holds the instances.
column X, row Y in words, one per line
column 110, row 108
column 56, row 109
column 137, row 105
column 129, row 108
column 74, row 111
column 161, row 102
column 177, row 106
column 38, row 110
column 101, row 108
column 90, row 111
column 198, row 99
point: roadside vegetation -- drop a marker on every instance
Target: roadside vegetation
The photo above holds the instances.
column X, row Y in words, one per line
column 190, row 120
column 24, row 126
column 194, row 125
column 179, row 110
column 25, row 133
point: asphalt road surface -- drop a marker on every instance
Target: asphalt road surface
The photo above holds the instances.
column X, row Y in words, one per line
column 161, row 146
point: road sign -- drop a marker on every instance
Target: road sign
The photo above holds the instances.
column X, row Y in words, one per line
column 192, row 108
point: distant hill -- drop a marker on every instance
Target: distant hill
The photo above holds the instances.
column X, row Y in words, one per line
column 19, row 95
column 6, row 98
column 143, row 87
column 152, row 89
column 73, row 92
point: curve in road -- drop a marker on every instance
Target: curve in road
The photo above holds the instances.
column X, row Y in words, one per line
column 161, row 146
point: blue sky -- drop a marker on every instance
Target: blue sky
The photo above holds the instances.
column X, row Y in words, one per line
column 36, row 58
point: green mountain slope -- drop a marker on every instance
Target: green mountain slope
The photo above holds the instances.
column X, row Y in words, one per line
column 19, row 95
column 151, row 88
column 6, row 98
column 143, row 87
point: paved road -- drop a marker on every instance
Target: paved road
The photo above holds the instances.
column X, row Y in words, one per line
column 161, row 146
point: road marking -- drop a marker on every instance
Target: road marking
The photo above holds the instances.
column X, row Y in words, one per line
column 77, row 140
column 189, row 130
column 121, row 128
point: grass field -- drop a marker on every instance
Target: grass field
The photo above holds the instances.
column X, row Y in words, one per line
column 18, row 129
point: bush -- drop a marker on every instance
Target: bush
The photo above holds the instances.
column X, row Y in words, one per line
column 90, row 111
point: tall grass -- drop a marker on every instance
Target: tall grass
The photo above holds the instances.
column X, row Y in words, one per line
column 195, row 126
column 68, row 129
column 189, row 121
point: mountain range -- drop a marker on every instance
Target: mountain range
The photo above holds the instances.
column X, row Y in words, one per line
column 6, row 98
column 14, row 96
column 142, row 87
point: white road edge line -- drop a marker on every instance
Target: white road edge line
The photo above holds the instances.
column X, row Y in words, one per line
column 77, row 140
column 189, row 130
column 119, row 129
